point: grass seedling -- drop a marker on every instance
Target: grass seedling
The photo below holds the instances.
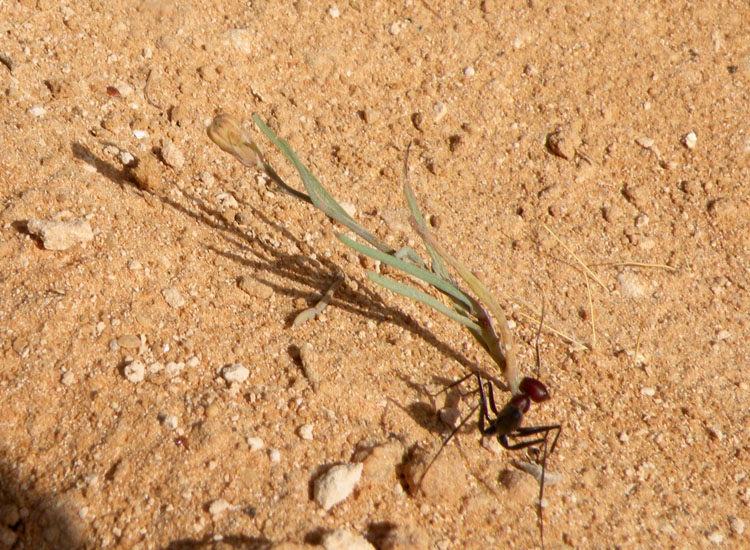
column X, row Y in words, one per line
column 463, row 307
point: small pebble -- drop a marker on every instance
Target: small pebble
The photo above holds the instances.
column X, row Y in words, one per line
column 129, row 341
column 254, row 288
column 255, row 443
column 563, row 142
column 135, row 371
column 349, row 208
column 243, row 40
column 155, row 367
column 68, row 379
column 60, row 235
column 630, row 285
column 218, row 506
column 646, row 143
column 649, row 392
column 235, row 373
column 127, row 159
column 306, row 432
column 173, row 297
column 736, row 526
column 134, row 265
column 169, row 421
column 172, row 156
column 173, row 368
column 334, row 12
column 140, row 134
column 207, row 178
column 345, row 540
column 309, row 365
column 336, row 484
column 440, row 110
column 689, row 140
column 37, row 111
column 274, row 455
column 716, row 537
column 212, row 410
column 469, row 71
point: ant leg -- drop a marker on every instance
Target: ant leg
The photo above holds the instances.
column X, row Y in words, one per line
column 493, row 407
column 444, row 443
column 533, row 430
column 484, row 415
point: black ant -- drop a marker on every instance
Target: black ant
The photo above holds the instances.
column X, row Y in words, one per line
column 506, row 424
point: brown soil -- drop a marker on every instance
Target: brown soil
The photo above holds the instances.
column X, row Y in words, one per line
column 654, row 448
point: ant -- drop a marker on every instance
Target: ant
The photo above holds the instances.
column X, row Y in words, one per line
column 506, row 424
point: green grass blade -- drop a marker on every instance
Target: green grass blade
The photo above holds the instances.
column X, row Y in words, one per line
column 319, row 196
column 418, row 295
column 419, row 273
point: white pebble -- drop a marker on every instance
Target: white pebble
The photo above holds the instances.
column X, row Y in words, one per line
column 736, row 525
column 274, row 455
column 646, row 143
column 469, row 71
column 155, row 367
column 334, row 12
column 716, row 537
column 173, row 297
column 140, row 134
column 193, row 362
column 135, row 371
column 207, row 178
column 235, row 373
column 689, row 140
column 345, row 540
column 68, row 379
column 630, row 285
column 349, row 208
column 649, row 392
column 243, row 40
column 135, row 265
column 174, row 369
column 172, row 156
column 126, row 158
column 37, row 111
column 306, row 432
column 255, row 443
column 440, row 110
column 336, row 484
column 169, row 421
column 60, row 235
column 218, row 506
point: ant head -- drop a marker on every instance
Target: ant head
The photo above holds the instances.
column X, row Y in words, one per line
column 534, row 389
column 520, row 402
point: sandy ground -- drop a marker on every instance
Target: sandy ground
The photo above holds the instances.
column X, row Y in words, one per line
column 572, row 115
